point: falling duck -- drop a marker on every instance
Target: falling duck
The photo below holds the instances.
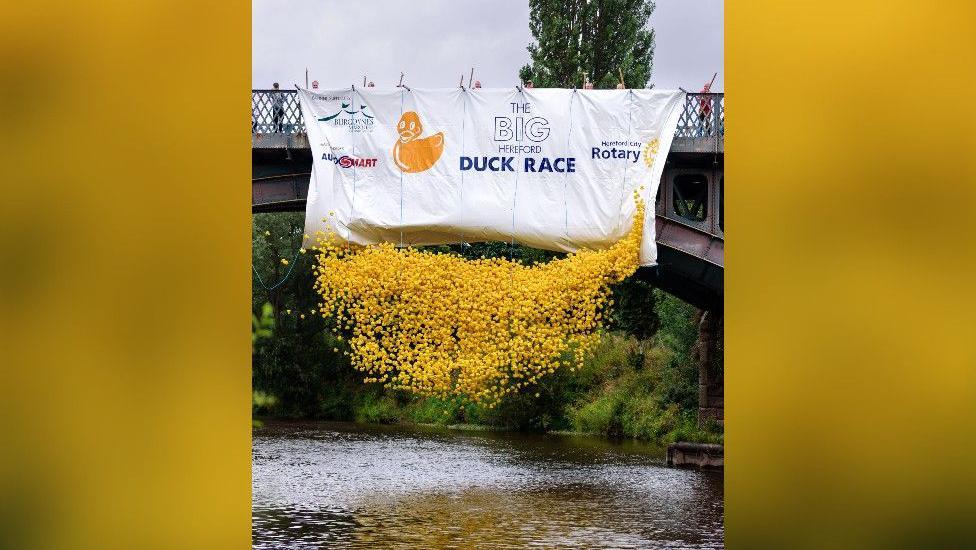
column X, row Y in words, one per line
column 411, row 152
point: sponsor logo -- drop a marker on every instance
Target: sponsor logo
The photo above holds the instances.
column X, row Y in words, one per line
column 631, row 151
column 346, row 161
column 411, row 152
column 650, row 151
column 358, row 120
column 625, row 150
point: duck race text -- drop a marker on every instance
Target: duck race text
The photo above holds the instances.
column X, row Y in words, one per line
column 529, row 164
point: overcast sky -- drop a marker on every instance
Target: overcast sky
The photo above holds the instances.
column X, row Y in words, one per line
column 435, row 41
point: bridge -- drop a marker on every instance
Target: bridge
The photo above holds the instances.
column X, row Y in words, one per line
column 689, row 207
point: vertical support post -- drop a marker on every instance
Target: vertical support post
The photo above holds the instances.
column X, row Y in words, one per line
column 707, row 356
column 712, row 201
column 716, row 117
column 660, row 206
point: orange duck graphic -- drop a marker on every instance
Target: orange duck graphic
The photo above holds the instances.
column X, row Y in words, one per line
column 411, row 152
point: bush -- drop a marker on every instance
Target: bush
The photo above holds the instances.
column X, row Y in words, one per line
column 648, row 390
column 432, row 410
column 598, row 416
column 377, row 409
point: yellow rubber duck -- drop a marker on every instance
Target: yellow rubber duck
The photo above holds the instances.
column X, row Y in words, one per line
column 411, row 152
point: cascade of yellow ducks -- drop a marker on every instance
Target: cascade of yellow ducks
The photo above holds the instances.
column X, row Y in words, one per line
column 442, row 325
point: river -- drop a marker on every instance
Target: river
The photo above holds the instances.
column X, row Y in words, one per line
column 343, row 485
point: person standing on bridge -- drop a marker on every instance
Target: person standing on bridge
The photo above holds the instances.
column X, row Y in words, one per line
column 277, row 108
column 705, row 109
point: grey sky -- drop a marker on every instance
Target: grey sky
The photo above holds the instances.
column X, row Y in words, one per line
column 435, row 41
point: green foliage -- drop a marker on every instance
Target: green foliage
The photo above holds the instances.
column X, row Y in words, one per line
column 299, row 364
column 673, row 344
column 598, row 416
column 678, row 329
column 433, row 410
column 377, row 408
column 263, row 402
column 631, row 399
column 635, row 311
column 651, row 396
column 263, row 326
column 596, row 38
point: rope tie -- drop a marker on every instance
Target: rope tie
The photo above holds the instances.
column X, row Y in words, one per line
column 401, row 179
column 630, row 128
column 457, row 306
column 291, row 266
column 464, row 115
column 355, row 175
column 569, row 135
column 511, row 254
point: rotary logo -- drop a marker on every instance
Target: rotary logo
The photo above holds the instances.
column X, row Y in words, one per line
column 650, row 152
column 413, row 153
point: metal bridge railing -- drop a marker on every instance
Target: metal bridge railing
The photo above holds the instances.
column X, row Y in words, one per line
column 702, row 116
column 277, row 111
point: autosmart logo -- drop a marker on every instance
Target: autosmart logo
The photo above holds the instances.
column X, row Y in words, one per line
column 350, row 162
column 346, row 161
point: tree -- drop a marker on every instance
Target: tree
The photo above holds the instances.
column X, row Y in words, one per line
column 635, row 311
column 301, row 364
column 276, row 237
column 596, row 38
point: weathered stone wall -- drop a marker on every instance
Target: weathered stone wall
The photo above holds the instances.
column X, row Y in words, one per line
column 707, row 355
column 698, row 455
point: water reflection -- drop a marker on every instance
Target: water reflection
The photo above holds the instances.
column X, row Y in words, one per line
column 326, row 485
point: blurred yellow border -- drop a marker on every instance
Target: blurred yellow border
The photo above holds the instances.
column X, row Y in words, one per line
column 124, row 251
column 851, row 346
column 124, row 257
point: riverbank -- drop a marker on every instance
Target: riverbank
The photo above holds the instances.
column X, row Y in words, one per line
column 622, row 392
column 705, row 436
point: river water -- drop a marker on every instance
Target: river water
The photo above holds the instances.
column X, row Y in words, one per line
column 342, row 485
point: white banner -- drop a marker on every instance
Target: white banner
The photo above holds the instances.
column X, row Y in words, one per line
column 549, row 168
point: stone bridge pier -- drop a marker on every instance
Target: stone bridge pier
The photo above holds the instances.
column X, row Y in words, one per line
column 707, row 355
